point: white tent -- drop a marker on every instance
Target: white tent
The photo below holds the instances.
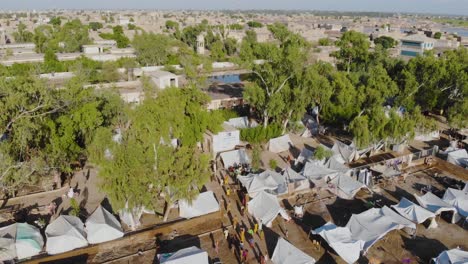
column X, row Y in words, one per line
column 205, row 203
column 230, row 158
column 64, row 234
column 315, row 170
column 336, row 162
column 304, row 156
column 412, row 211
column 279, row 144
column 296, row 182
column 341, row 240
column 457, row 199
column 286, row 253
column 348, row 153
column 453, row 256
column 266, row 207
column 458, row 157
column 345, row 187
column 268, row 180
column 365, row 176
column 20, row 240
column 102, row 226
column 435, row 204
column 373, row 224
column 466, row 187
column 190, row 255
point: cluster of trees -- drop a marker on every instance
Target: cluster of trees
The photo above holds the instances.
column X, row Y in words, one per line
column 354, row 94
column 144, row 165
column 45, row 131
column 67, row 38
column 118, row 35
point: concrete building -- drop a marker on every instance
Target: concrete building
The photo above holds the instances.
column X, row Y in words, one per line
column 414, row 45
column 201, row 44
column 226, row 96
column 225, row 140
column 164, row 79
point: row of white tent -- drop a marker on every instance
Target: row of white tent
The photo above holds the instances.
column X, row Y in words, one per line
column 21, row 240
column 365, row 229
column 284, row 253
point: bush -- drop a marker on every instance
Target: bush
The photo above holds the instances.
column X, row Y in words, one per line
column 256, row 158
column 325, row 42
column 75, row 207
column 227, row 114
column 259, row 134
column 273, row 164
column 322, row 153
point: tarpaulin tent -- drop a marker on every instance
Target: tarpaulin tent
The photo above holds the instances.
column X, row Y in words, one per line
column 190, row 255
column 412, row 211
column 453, row 256
column 64, row 234
column 20, row 240
column 373, row 224
column 241, row 122
column 345, row 187
column 304, row 156
column 279, row 144
column 266, row 207
column 286, row 253
column 315, row 170
column 458, row 157
column 102, row 226
column 269, row 181
column 436, row 205
column 296, row 182
column 458, row 199
column 205, row 203
column 348, row 153
column 336, row 162
column 231, row 158
column 341, row 240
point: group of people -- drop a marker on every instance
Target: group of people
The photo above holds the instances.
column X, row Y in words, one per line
column 240, row 237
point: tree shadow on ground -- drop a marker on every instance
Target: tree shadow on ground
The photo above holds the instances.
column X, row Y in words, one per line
column 81, row 259
column 271, row 239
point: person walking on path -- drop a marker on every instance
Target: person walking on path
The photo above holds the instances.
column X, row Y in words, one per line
column 242, row 235
column 251, row 232
column 255, row 230
column 226, row 179
column 262, row 259
column 226, row 233
column 245, row 254
column 217, row 247
column 251, row 242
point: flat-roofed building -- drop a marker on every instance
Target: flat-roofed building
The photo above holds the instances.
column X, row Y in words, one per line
column 414, row 45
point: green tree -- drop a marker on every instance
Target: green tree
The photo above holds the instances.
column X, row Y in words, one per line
column 217, row 51
column 55, row 21
column 95, row 26
column 172, row 25
column 152, row 49
column 325, row 42
column 386, row 42
column 254, row 24
column 437, row 35
column 119, row 37
column 354, row 51
column 22, row 35
column 73, row 35
column 109, row 72
column 230, row 46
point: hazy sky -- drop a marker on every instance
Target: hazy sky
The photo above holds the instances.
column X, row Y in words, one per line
column 420, row 6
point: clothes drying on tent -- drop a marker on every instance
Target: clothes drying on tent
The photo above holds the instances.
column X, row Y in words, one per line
column 266, row 207
column 436, row 205
column 286, row 253
column 373, row 224
column 279, row 144
column 205, row 203
column 453, row 256
column 412, row 211
column 190, row 255
column 341, row 240
column 102, row 226
column 65, row 234
column 20, row 241
column 345, row 187
column 365, row 176
column 234, row 157
column 459, row 200
column 269, row 181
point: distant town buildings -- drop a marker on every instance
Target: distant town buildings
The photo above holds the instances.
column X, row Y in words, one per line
column 414, row 45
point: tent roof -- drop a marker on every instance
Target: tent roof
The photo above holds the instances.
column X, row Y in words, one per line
column 64, row 234
column 341, row 240
column 292, row 176
column 204, row 204
column 279, row 144
column 375, row 223
column 347, row 153
column 20, row 240
column 346, row 187
column 265, row 207
column 192, row 255
column 232, row 157
column 286, row 253
column 241, row 122
column 315, row 170
column 267, row 180
column 458, row 157
column 412, row 211
column 453, row 256
column 102, row 226
column 434, row 204
column 458, row 199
